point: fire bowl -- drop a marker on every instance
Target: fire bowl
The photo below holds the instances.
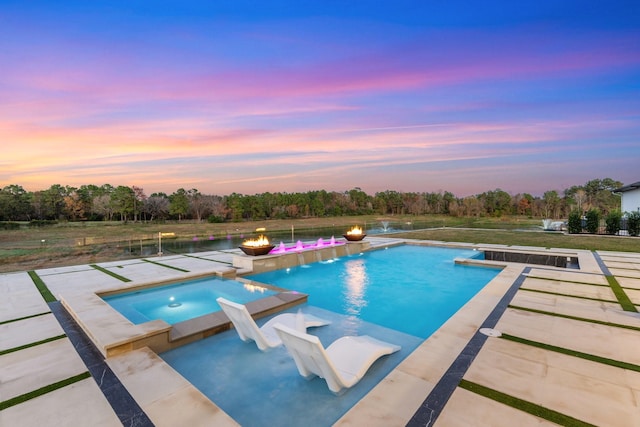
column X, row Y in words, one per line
column 256, row 250
column 354, row 237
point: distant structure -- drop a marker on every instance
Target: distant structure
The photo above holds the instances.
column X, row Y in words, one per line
column 630, row 197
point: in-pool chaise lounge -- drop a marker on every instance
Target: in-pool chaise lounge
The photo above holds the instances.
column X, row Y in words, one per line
column 342, row 364
column 264, row 336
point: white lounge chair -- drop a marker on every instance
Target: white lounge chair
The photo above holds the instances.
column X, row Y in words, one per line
column 342, row 364
column 265, row 337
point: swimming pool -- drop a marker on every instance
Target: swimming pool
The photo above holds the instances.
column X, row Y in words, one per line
column 257, row 388
column 183, row 301
column 413, row 289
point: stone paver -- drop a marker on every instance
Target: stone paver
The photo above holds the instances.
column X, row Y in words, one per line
column 628, row 282
column 577, row 307
column 620, row 272
column 634, row 295
column 79, row 282
column 27, row 331
column 568, row 276
column 35, row 367
column 586, row 390
column 591, row 338
column 623, row 265
column 19, row 297
column 575, row 289
column 468, row 409
column 78, row 404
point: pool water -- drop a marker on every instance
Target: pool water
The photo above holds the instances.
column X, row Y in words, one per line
column 183, row 301
column 400, row 295
column 265, row 389
column 411, row 289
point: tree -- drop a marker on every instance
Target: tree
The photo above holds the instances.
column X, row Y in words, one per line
column 122, row 201
column 101, row 206
column 15, row 204
column 551, row 204
column 74, row 207
column 524, row 204
column 138, row 201
column 156, row 206
column 596, row 193
column 179, row 203
column 472, row 206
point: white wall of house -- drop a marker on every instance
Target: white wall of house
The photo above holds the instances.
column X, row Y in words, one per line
column 631, row 200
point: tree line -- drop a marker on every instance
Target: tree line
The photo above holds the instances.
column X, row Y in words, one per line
column 122, row 203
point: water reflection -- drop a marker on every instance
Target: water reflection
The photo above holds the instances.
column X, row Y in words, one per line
column 356, row 282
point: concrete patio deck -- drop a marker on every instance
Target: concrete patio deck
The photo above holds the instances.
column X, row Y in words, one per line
column 568, row 350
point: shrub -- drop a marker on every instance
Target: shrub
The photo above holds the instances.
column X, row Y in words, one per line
column 215, row 219
column 633, row 223
column 593, row 221
column 10, row 225
column 613, row 222
column 42, row 222
column 574, row 224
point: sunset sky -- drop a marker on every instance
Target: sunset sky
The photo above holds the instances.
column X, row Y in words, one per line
column 289, row 96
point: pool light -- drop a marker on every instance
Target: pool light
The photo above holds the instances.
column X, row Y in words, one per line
column 173, row 304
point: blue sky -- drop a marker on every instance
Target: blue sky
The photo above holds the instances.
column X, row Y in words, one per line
column 250, row 96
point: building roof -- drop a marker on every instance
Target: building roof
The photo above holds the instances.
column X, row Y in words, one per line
column 630, row 187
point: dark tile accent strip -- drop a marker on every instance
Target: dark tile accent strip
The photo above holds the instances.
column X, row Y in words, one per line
column 433, row 405
column 601, row 264
column 621, row 295
column 123, row 404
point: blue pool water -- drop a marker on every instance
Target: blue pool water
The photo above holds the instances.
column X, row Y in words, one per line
column 411, row 289
column 400, row 295
column 182, row 301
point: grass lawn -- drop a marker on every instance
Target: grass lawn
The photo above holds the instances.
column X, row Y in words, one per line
column 538, row 239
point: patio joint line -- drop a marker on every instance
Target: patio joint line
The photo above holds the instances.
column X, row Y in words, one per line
column 42, row 287
column 110, row 273
column 432, row 406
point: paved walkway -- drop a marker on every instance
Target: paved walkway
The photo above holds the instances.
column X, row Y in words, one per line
column 568, row 352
